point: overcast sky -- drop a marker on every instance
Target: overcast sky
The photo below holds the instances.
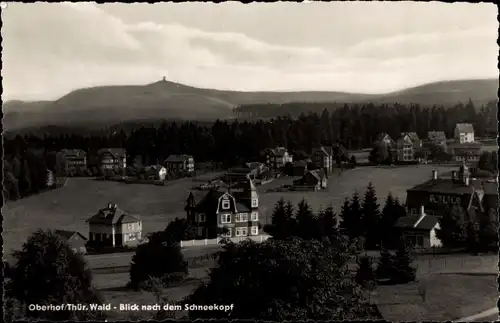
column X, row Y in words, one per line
column 370, row 47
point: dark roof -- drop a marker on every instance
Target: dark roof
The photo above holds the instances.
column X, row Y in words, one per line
column 112, row 215
column 177, row 158
column 413, row 136
column 436, row 136
column 279, row 151
column 464, row 127
column 67, row 235
column 409, row 221
column 327, row 151
column 447, row 185
column 319, row 174
column 490, row 188
column 73, row 152
column 467, row 145
column 115, row 152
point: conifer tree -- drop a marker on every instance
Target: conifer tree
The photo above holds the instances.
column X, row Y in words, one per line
column 403, row 269
column 371, row 218
column 364, row 274
column 385, row 264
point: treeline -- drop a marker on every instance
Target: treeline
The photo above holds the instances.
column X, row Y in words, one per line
column 354, row 126
column 26, row 173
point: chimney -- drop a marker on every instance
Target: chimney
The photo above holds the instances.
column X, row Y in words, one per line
column 434, row 174
column 454, row 175
column 466, row 181
column 110, row 206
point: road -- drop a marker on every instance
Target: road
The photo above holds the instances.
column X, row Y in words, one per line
column 488, row 315
column 124, row 259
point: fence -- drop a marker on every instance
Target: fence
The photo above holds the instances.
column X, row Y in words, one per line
column 427, row 264
column 209, row 242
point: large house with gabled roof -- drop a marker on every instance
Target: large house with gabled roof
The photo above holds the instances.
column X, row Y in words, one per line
column 180, row 163
column 233, row 212
column 113, row 227
column 112, row 158
column 475, row 196
column 464, row 133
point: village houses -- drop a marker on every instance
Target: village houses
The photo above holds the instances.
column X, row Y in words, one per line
column 112, row 158
column 406, row 146
column 113, row 227
column 427, row 202
column 474, row 195
column 464, row 133
column 75, row 240
column 322, row 158
column 314, row 180
column 419, row 229
column 153, row 172
column 180, row 163
column 437, row 138
column 235, row 210
column 277, row 158
column 466, row 152
column 74, row 158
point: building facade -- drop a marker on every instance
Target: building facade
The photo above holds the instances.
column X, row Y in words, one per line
column 112, row 158
column 322, row 158
column 180, row 163
column 278, row 157
column 74, row 239
column 405, row 149
column 113, row 227
column 74, row 158
column 473, row 195
column 438, row 138
column 231, row 213
column 419, row 230
column 464, row 133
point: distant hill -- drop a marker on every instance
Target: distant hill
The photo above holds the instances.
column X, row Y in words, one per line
column 169, row 100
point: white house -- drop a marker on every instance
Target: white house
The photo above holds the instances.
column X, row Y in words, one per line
column 464, row 133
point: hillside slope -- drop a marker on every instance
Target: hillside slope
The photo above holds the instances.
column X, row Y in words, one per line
column 169, row 100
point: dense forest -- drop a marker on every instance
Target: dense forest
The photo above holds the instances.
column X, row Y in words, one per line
column 355, row 126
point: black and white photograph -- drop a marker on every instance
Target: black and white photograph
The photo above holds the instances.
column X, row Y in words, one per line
column 285, row 161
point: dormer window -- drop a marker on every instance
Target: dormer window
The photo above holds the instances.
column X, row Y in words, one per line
column 226, row 205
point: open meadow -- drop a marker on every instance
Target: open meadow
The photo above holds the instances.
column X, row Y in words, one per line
column 385, row 179
column 69, row 207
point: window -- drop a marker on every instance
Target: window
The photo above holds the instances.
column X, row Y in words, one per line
column 446, row 199
column 413, row 211
column 201, row 217
column 255, row 203
column 226, row 205
column 91, row 236
column 432, row 198
column 241, row 232
column 130, row 226
column 255, row 216
column 200, row 231
column 225, row 218
column 455, row 199
column 132, row 236
column 255, row 230
column 242, row 217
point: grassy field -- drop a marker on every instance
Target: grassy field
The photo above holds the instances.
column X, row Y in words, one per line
column 69, row 207
column 447, row 297
column 385, row 179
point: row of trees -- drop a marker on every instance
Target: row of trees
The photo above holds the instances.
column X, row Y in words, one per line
column 26, row 173
column 354, row 126
column 363, row 218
